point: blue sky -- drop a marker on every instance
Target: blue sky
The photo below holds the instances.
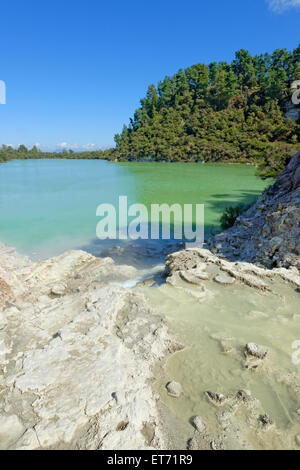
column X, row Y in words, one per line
column 76, row 70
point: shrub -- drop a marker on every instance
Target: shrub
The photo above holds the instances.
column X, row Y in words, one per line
column 230, row 215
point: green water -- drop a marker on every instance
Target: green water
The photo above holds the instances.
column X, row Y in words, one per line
column 48, row 206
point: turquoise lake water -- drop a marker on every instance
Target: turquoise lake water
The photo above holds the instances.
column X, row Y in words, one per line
column 47, row 206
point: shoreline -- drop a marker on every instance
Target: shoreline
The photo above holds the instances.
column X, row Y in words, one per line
column 225, row 162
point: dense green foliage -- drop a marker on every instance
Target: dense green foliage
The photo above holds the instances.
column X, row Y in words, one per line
column 220, row 112
column 230, row 215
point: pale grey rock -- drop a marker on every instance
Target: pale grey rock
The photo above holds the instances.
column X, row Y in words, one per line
column 256, row 350
column 216, row 445
column 217, row 399
column 297, row 439
column 194, row 276
column 58, row 289
column 199, row 424
column 290, row 275
column 223, row 278
column 174, row 389
column 198, row 442
column 194, row 287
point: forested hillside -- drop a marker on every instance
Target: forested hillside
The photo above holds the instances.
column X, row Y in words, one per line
column 219, row 112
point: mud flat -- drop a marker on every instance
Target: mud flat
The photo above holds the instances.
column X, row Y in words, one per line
column 238, row 323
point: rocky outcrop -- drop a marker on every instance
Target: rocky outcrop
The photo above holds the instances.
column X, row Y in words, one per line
column 77, row 353
column 269, row 232
column 183, row 267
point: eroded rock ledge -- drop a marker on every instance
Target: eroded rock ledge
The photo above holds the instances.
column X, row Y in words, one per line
column 196, row 266
column 77, row 353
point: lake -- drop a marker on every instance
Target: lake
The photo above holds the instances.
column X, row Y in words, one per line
column 48, row 206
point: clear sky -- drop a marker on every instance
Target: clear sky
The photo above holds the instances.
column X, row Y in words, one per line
column 76, row 70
